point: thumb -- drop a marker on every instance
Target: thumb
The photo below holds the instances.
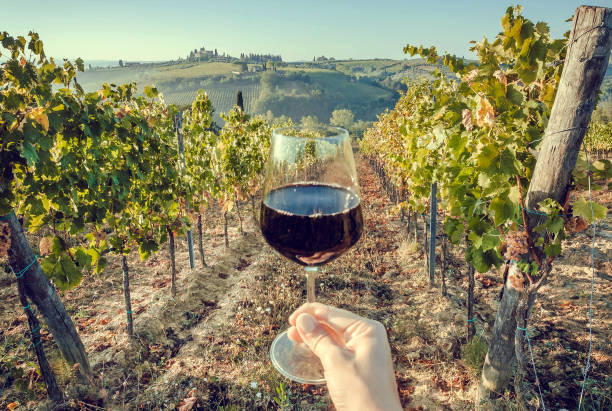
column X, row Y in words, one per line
column 318, row 339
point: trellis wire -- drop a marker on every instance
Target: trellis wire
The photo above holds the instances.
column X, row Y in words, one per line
column 585, row 370
column 533, row 365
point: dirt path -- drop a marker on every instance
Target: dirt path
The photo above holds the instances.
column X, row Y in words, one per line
column 208, row 347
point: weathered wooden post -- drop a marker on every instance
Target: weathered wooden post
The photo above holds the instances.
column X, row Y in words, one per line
column 588, row 51
column 40, row 291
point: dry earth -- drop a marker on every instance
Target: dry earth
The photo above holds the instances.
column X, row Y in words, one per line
column 207, row 347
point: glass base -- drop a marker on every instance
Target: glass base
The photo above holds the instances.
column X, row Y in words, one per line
column 295, row 361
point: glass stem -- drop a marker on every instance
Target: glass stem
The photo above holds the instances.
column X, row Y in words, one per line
column 311, row 275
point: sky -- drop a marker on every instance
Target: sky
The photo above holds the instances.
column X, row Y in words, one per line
column 154, row 30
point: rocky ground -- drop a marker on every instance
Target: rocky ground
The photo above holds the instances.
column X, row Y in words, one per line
column 207, row 347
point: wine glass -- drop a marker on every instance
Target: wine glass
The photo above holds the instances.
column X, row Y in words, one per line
column 311, row 214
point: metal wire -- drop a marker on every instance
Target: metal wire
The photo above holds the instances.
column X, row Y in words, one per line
column 585, row 370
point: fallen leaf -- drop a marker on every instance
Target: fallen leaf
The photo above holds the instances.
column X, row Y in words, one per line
column 12, row 405
column 187, row 404
column 104, row 321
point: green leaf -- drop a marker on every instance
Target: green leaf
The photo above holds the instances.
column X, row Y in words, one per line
column 29, row 153
column 542, row 28
column 502, row 209
column 477, row 258
column 454, row 229
column 582, row 208
column 490, row 240
column 508, row 162
column 486, row 156
column 146, row 248
column 552, row 249
column 83, row 258
column 457, row 143
column 514, row 95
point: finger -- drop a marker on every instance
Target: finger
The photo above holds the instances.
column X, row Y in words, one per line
column 294, row 335
column 335, row 318
column 318, row 340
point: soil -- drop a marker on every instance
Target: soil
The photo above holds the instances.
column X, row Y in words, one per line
column 207, row 347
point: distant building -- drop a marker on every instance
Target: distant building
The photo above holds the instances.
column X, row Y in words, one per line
column 200, row 54
column 255, row 68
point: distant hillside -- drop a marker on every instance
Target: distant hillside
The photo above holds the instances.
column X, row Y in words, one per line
column 366, row 87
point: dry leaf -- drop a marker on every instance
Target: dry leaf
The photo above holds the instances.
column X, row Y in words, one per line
column 22, row 61
column 12, row 405
column 39, row 115
column 471, row 76
column 485, row 116
column 187, row 404
column 466, row 119
column 576, row 224
column 501, row 76
column 104, row 321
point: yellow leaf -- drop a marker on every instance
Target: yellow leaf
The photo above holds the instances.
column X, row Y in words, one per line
column 228, row 206
column 12, row 405
column 485, row 116
column 39, row 115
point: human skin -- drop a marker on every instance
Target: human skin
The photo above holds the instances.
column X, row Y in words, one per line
column 355, row 355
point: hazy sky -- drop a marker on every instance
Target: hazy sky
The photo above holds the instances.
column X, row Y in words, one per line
column 161, row 30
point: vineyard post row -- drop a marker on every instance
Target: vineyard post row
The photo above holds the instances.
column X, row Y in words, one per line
column 477, row 137
column 100, row 171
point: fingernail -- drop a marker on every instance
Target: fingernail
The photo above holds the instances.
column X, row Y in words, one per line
column 306, row 323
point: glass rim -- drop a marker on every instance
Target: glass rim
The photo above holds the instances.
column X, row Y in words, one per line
column 290, row 131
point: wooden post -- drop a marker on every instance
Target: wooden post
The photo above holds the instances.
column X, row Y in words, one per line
column 433, row 211
column 444, row 265
column 47, row 373
column 40, row 291
column 471, row 327
column 586, row 62
column 178, row 124
column 201, row 241
column 126, row 296
column 172, row 260
column 585, row 66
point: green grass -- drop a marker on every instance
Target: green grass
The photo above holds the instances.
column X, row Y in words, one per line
column 193, row 70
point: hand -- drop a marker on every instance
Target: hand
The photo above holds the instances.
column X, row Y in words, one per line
column 355, row 355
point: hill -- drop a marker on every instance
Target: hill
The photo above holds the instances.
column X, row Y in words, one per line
column 366, row 87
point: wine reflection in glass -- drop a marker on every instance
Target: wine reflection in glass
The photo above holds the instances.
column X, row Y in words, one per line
column 311, row 214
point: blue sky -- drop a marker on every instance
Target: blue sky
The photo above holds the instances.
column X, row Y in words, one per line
column 298, row 30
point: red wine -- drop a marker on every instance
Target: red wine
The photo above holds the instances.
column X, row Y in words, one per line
column 311, row 223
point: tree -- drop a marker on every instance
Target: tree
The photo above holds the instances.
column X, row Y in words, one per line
column 269, row 79
column 309, row 121
column 342, row 118
column 239, row 100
